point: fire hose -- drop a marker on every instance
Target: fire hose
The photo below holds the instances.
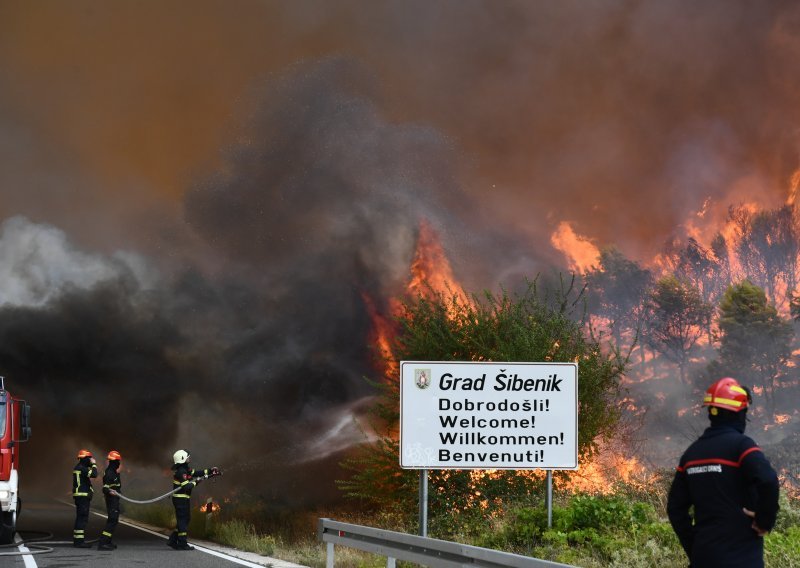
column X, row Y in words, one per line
column 32, row 548
column 197, row 479
column 39, row 548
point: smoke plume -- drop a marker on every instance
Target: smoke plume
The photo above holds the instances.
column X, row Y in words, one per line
column 198, row 203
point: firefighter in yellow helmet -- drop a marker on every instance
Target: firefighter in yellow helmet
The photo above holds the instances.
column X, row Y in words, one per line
column 111, row 482
column 82, row 492
column 730, row 483
column 184, row 480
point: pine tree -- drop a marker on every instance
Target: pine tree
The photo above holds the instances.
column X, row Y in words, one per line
column 677, row 318
column 755, row 341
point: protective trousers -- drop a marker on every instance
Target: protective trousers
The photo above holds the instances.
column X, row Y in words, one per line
column 112, row 510
column 81, row 519
column 183, row 513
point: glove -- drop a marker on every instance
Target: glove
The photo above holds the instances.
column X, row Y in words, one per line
column 215, row 471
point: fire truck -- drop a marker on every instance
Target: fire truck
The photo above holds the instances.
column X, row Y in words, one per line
column 15, row 417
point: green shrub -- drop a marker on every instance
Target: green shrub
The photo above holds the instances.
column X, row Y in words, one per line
column 789, row 513
column 783, row 548
column 604, row 512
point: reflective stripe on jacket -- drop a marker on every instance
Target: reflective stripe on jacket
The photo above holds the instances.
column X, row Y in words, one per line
column 81, row 478
column 720, row 474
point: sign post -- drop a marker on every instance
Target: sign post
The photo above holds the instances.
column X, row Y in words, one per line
column 479, row 415
column 423, row 502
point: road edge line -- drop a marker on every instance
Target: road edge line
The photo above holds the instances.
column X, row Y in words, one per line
column 27, row 557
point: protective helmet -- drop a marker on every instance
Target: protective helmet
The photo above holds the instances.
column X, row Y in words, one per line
column 113, row 455
column 84, row 454
column 727, row 393
column 181, row 456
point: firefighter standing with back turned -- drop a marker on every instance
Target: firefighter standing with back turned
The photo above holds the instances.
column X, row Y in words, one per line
column 730, row 483
column 111, row 482
column 184, row 480
column 82, row 492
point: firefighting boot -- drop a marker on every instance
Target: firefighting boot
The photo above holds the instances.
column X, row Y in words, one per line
column 182, row 544
column 105, row 542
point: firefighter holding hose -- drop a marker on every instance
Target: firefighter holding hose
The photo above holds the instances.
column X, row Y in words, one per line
column 184, row 480
column 730, row 483
column 112, row 485
column 82, row 493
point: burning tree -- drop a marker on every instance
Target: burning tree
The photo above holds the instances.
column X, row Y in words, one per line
column 677, row 318
column 754, row 342
column 705, row 269
column 527, row 327
column 618, row 288
column 768, row 247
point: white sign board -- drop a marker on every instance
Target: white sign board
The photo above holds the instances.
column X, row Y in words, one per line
column 464, row 415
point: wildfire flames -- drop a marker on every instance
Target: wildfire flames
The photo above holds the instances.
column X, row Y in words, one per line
column 580, row 252
column 610, row 466
column 430, row 269
column 246, row 242
column 430, row 272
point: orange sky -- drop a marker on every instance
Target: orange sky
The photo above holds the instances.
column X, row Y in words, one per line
column 621, row 120
column 271, row 161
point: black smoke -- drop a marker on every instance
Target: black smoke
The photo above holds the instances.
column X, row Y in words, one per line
column 257, row 340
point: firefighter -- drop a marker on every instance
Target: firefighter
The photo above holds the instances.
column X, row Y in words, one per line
column 111, row 482
column 82, row 492
column 184, row 480
column 730, row 483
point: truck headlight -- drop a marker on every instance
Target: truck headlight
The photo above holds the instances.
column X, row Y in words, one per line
column 4, row 494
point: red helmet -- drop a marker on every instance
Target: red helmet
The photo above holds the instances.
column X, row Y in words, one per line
column 113, row 455
column 727, row 393
column 84, row 454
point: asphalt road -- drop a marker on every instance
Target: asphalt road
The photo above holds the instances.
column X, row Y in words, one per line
column 137, row 546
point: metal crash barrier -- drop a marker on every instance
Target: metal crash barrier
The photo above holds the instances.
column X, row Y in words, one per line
column 418, row 549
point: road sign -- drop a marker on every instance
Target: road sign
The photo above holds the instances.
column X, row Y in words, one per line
column 467, row 415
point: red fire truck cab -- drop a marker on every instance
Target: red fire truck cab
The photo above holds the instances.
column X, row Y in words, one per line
column 15, row 415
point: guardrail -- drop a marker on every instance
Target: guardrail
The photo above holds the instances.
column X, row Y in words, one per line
column 421, row 550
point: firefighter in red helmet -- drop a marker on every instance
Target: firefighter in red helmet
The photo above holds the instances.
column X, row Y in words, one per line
column 730, row 483
column 82, row 492
column 111, row 482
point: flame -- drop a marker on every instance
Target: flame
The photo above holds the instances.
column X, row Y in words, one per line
column 581, row 253
column 430, row 274
column 778, row 420
column 430, row 269
column 608, row 467
column 382, row 332
column 794, row 183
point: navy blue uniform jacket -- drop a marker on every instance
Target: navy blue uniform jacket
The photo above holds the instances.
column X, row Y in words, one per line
column 721, row 473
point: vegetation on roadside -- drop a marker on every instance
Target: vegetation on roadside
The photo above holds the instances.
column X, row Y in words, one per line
column 626, row 528
column 529, row 326
column 505, row 510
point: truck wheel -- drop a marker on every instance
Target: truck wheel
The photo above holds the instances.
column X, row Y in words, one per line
column 8, row 526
